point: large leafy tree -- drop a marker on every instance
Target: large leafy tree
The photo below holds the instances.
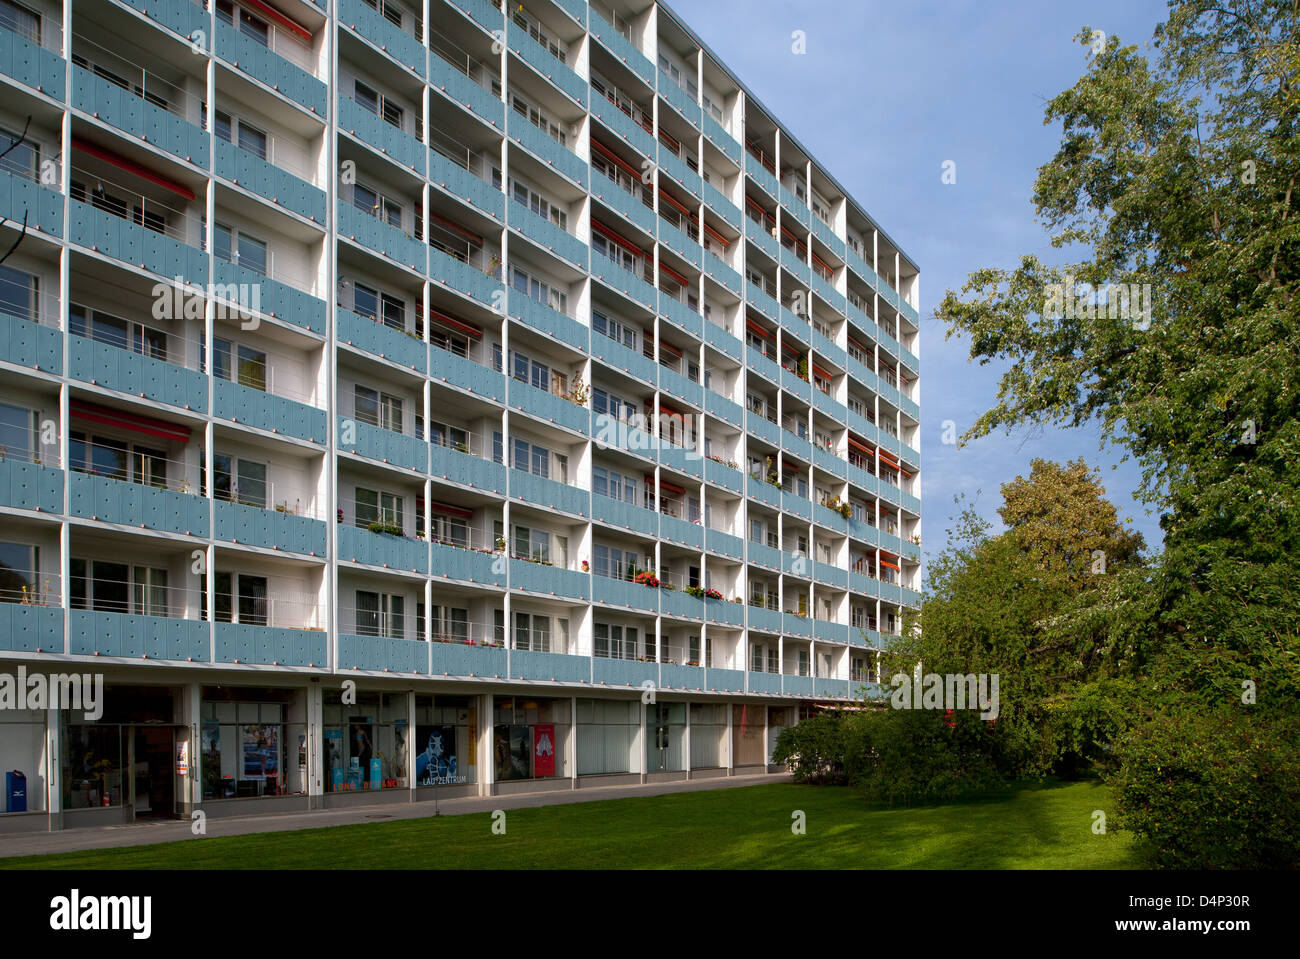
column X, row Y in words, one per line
column 1177, row 175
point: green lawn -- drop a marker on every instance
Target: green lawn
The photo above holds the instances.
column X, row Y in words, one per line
column 1034, row 826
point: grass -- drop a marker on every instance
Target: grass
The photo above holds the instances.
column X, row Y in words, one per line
column 1031, row 826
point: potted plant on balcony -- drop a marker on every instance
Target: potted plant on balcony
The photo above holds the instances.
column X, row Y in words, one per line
column 647, row 578
column 586, row 567
column 802, row 371
column 388, row 529
column 712, row 594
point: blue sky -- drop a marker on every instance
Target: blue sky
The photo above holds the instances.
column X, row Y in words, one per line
column 885, row 94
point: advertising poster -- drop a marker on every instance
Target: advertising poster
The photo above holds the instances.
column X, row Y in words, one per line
column 544, row 750
column 512, row 746
column 182, row 757
column 473, row 735
column 261, row 752
column 435, row 764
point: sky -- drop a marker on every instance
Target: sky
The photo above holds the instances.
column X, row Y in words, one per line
column 884, row 96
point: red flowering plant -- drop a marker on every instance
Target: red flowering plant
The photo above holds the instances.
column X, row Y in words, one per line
column 647, row 578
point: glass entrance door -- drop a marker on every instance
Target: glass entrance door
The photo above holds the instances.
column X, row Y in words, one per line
column 154, row 774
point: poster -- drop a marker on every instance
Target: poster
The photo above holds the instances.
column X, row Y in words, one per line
column 544, row 750
column 182, row 757
column 261, row 752
column 333, row 759
column 435, row 764
column 513, row 747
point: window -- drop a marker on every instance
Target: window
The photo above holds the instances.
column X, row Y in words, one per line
column 534, row 29
column 533, row 544
column 242, row 249
column 539, row 119
column 377, row 205
column 530, row 198
column 23, row 159
column 114, row 331
column 614, row 563
column 247, row 137
column 239, row 480
column 449, row 623
column 603, row 402
column 614, row 642
column 19, row 563
column 378, row 507
column 539, row 290
column 250, row 26
column 379, row 104
column 18, row 428
column 239, row 363
column 615, row 485
column 531, row 458
column 616, row 330
column 448, row 528
column 533, row 632
column 21, row 20
column 377, row 409
column 19, row 294
column 381, row 614
column 613, row 251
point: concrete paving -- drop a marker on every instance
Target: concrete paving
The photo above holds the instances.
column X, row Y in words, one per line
column 152, row 833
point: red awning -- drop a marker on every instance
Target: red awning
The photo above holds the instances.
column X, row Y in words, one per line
column 437, row 316
column 611, row 235
column 716, row 235
column 455, row 227
column 885, row 562
column 148, row 425
column 758, row 329
column 674, row 274
column 278, row 17
column 821, row 372
column 130, row 166
column 617, row 160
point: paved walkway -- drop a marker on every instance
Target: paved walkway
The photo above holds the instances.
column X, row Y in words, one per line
column 150, row 833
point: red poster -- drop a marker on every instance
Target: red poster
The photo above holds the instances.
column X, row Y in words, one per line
column 543, row 751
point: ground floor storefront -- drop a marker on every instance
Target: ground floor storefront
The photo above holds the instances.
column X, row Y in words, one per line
column 170, row 744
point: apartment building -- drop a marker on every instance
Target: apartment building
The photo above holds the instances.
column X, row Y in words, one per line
column 406, row 399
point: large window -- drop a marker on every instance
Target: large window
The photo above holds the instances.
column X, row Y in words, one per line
column 379, row 104
column 19, row 566
column 620, row 486
column 255, row 28
column 118, row 587
column 528, row 738
column 381, row 614
column 117, row 459
column 376, row 408
column 366, row 742
column 445, row 731
column 532, row 458
column 239, row 363
column 376, row 507
column 533, row 632
column 539, row 290
column 608, row 736
column 243, row 249
column 239, row 480
column 241, row 598
column 616, row 330
column 242, row 134
column 251, row 745
column 614, row 642
column 115, row 331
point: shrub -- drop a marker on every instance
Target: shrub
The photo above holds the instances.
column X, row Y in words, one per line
column 903, row 756
column 814, row 749
column 1212, row 789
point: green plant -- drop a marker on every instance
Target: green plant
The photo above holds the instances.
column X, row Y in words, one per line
column 388, row 529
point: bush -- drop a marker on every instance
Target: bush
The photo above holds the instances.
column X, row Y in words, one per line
column 904, row 756
column 814, row 749
column 1212, row 789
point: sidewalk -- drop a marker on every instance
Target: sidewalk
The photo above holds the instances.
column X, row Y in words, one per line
column 151, row 833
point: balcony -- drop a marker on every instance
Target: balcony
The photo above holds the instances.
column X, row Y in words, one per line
column 284, row 302
column 374, row 234
column 679, row 99
column 622, row 672
column 680, row 387
column 796, row 385
column 830, row 519
column 548, row 494
column 831, row 688
column 529, row 664
column 357, row 545
column 764, row 555
column 619, row 357
column 683, row 460
column 630, row 205
column 763, row 301
column 826, row 233
column 681, row 532
column 128, row 372
column 21, row 196
column 466, row 469
column 675, row 167
column 466, row 92
column 765, row 683
column 795, row 625
column 624, row 516
column 32, row 345
column 268, row 528
column 767, row 620
column 124, row 240
column 260, row 63
column 383, row 654
column 796, row 445
column 369, row 23
column 622, row 48
column 624, row 281
column 681, row 244
column 796, row 505
column 827, row 348
column 547, row 235
column 138, row 117
column 486, row 14
column 478, row 279
column 549, row 408
column 721, row 339
column 794, row 205
column 30, row 486
column 464, row 185
column 379, row 339
column 724, row 544
column 864, row 531
column 111, row 500
column 826, row 290
column 827, row 574
column 719, row 204
column 672, row 676
column 828, row 461
column 454, row 370
column 723, row 408
column 625, row 594
column 549, row 66
column 378, row 134
column 763, row 492
column 382, row 445
column 27, row 628
column 673, row 602
column 548, row 150
column 269, row 181
column 794, row 263
column 266, row 411
column 758, row 425
column 91, row 632
column 762, row 176
column 550, row 580
column 31, row 64
column 721, row 138
column 825, row 403
column 632, row 133
column 460, row 562
column 720, row 474
column 726, row 613
column 461, row 659
column 270, row 645
column 859, row 266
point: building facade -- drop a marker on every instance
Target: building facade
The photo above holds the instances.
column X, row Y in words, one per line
column 407, row 399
